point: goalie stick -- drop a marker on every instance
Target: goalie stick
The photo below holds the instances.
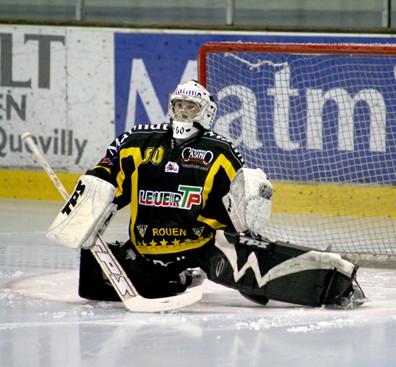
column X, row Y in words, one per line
column 109, row 264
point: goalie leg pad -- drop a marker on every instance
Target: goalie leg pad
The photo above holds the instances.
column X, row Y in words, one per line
column 266, row 270
column 309, row 287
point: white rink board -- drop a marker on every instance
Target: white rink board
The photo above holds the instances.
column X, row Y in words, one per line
column 57, row 83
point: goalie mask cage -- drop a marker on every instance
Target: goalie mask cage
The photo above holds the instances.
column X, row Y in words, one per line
column 320, row 120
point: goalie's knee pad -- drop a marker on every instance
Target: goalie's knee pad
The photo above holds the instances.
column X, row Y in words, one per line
column 263, row 270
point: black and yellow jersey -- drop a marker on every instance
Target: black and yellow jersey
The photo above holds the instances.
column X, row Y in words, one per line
column 174, row 191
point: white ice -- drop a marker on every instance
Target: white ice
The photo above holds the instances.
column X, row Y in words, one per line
column 44, row 323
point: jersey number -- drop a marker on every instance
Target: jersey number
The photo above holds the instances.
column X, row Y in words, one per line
column 153, row 155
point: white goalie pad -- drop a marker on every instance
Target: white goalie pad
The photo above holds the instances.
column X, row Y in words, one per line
column 85, row 215
column 312, row 260
column 249, row 201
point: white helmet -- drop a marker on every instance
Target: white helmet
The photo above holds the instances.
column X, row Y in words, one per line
column 191, row 107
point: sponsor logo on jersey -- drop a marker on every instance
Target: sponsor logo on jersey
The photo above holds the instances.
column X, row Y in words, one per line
column 115, row 146
column 185, row 198
column 142, row 228
column 150, row 127
column 106, row 161
column 172, row 167
column 197, row 158
column 198, row 231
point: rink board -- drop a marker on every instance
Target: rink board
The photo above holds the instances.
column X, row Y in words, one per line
column 329, row 200
column 92, row 84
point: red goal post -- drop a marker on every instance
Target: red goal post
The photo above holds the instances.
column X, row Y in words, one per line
column 299, row 48
column 319, row 119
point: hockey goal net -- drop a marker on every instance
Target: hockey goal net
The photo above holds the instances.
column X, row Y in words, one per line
column 320, row 120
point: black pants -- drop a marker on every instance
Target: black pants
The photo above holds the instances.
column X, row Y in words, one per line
column 151, row 279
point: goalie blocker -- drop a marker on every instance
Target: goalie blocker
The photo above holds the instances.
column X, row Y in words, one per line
column 261, row 270
column 85, row 215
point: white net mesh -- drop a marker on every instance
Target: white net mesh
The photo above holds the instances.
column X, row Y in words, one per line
column 321, row 122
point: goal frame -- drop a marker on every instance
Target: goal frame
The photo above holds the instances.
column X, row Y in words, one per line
column 296, row 48
column 381, row 260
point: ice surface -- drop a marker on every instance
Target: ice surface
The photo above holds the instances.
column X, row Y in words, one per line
column 44, row 323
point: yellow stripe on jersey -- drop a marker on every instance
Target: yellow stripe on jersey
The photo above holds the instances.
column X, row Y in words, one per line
column 170, row 247
column 120, row 179
column 137, row 159
column 108, row 170
column 220, row 162
column 213, row 223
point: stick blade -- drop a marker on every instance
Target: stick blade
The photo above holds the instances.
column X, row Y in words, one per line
column 140, row 304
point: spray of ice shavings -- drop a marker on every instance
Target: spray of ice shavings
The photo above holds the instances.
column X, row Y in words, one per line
column 7, row 295
column 263, row 323
column 301, row 320
column 9, row 274
column 322, row 326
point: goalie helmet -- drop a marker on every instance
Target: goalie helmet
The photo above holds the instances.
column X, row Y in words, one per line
column 191, row 108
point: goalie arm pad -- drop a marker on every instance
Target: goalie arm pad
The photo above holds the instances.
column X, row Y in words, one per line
column 249, row 201
column 85, row 215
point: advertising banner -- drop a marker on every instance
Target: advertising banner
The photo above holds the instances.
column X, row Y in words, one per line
column 56, row 83
column 309, row 117
column 148, row 66
column 75, row 89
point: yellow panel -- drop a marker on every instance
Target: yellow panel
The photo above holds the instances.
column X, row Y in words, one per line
column 34, row 185
column 321, row 199
column 335, row 200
